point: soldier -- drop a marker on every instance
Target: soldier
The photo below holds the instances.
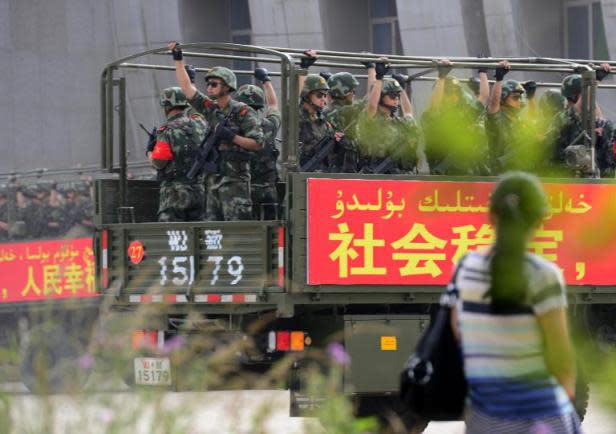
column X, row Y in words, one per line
column 454, row 126
column 58, row 218
column 229, row 189
column 263, row 170
column 173, row 154
column 390, row 141
column 571, row 154
column 342, row 113
column 28, row 223
column 4, row 218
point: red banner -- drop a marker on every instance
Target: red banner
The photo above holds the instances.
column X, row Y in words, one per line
column 42, row 270
column 391, row 232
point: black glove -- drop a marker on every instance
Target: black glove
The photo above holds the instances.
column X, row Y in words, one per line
column 191, row 71
column 381, row 68
column 368, row 64
column 443, row 70
column 530, row 87
column 325, row 74
column 500, row 73
column 226, row 134
column 262, row 74
column 177, row 52
column 307, row 61
column 601, row 74
column 401, row 79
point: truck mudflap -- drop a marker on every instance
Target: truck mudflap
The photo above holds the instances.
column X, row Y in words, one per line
column 209, row 262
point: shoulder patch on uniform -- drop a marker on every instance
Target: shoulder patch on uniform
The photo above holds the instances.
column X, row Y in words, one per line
column 243, row 111
column 208, row 103
column 161, row 128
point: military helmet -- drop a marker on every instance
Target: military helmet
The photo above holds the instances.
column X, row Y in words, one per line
column 341, row 84
column 313, row 83
column 511, row 86
column 225, row 74
column 552, row 100
column 390, row 85
column 251, row 95
column 173, row 97
column 571, row 86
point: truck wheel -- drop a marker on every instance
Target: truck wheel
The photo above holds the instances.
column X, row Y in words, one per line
column 393, row 415
column 53, row 361
column 598, row 320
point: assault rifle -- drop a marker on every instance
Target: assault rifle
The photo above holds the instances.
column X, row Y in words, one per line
column 207, row 159
column 324, row 148
column 151, row 138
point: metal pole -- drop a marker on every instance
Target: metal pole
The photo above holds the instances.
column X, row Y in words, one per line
column 122, row 141
column 103, row 114
column 109, row 122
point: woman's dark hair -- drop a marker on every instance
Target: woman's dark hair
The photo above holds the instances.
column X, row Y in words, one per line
column 517, row 203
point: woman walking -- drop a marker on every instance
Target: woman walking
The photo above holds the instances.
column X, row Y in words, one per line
column 512, row 324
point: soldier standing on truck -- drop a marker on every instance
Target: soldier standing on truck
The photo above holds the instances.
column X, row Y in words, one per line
column 228, row 191
column 317, row 137
column 173, row 154
column 263, row 170
column 342, row 113
column 390, row 140
column 4, row 220
column 567, row 133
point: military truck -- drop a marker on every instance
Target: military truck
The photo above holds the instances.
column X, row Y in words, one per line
column 357, row 260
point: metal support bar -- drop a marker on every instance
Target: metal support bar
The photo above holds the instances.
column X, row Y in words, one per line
column 122, row 141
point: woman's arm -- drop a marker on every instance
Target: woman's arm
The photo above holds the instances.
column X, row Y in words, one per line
column 559, row 356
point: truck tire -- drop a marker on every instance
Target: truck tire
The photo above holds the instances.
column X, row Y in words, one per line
column 53, row 361
column 394, row 417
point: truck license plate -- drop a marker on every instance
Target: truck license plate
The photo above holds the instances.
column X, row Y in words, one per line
column 152, row 371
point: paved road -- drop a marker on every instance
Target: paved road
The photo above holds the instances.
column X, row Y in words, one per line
column 240, row 412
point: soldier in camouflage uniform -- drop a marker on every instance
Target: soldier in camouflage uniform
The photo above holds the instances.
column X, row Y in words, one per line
column 175, row 150
column 571, row 156
column 58, row 217
column 343, row 112
column 4, row 214
column 228, row 191
column 390, row 141
column 263, row 170
column 454, row 127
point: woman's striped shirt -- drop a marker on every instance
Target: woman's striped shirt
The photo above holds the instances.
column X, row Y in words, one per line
column 503, row 353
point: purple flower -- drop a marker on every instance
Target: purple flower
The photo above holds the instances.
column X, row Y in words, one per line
column 338, row 354
column 86, row 362
column 173, row 344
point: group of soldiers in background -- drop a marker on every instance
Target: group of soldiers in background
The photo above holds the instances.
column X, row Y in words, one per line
column 45, row 211
column 216, row 155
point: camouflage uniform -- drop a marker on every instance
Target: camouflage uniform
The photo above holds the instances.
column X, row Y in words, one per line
column 343, row 116
column 263, row 170
column 229, row 189
column 454, row 131
column 389, row 137
column 314, row 127
column 181, row 199
column 570, row 156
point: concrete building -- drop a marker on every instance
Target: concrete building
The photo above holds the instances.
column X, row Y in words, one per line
column 54, row 51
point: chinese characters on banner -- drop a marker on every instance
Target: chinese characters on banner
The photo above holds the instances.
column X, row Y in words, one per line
column 40, row 270
column 393, row 232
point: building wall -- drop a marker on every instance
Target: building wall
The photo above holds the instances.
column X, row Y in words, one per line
column 53, row 54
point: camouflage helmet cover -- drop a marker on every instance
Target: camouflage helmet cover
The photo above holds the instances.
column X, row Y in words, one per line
column 571, row 86
column 313, row 83
column 552, row 100
column 341, row 84
column 511, row 86
column 390, row 85
column 251, row 95
column 173, row 97
column 225, row 74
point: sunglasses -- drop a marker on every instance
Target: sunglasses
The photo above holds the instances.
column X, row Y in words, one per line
column 320, row 95
column 394, row 95
column 516, row 96
column 213, row 84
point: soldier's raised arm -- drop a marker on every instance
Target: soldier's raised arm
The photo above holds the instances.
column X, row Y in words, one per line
column 271, row 100
column 497, row 90
column 374, row 96
column 181, row 74
column 307, row 60
column 443, row 67
column 484, row 87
